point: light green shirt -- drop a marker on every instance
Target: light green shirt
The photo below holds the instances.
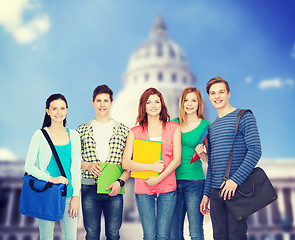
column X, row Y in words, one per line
column 39, row 155
column 189, row 141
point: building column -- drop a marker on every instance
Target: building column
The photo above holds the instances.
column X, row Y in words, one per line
column 22, row 220
column 35, row 224
column 286, row 236
column 269, row 215
column 255, row 219
column 293, row 204
column 281, row 202
column 9, row 208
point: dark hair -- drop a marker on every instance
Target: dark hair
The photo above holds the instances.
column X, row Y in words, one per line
column 102, row 89
column 216, row 80
column 53, row 97
column 142, row 115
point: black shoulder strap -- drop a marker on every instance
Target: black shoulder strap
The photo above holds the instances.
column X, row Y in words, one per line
column 61, row 169
column 240, row 114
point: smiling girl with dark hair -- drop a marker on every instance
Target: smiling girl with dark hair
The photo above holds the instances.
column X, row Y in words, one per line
column 68, row 147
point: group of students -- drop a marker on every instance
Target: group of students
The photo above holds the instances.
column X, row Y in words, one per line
column 180, row 187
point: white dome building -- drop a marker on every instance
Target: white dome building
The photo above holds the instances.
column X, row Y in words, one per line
column 159, row 63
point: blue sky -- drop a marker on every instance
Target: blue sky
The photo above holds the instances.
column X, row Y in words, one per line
column 72, row 46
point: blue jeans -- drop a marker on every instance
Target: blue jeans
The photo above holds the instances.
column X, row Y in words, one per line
column 225, row 227
column 189, row 197
column 93, row 205
column 156, row 226
column 68, row 226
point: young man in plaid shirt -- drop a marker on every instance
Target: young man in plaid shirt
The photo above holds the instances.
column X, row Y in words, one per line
column 102, row 141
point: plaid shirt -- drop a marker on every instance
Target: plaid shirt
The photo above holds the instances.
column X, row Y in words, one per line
column 88, row 145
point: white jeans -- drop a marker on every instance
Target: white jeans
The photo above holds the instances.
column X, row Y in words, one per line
column 68, row 226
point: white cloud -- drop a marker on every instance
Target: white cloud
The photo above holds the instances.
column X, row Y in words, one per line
column 7, row 155
column 248, row 79
column 11, row 18
column 270, row 83
column 275, row 83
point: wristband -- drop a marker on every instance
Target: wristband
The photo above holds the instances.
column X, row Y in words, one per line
column 122, row 183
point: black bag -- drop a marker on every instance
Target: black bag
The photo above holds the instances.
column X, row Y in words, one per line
column 254, row 193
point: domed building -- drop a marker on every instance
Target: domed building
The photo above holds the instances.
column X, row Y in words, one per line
column 159, row 63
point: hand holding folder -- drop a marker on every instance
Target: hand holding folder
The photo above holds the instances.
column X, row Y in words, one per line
column 109, row 174
column 202, row 140
column 147, row 152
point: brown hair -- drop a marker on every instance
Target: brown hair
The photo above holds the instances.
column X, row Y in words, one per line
column 142, row 115
column 216, row 80
column 102, row 89
column 200, row 110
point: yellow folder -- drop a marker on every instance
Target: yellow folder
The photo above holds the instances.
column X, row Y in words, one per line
column 110, row 173
column 146, row 152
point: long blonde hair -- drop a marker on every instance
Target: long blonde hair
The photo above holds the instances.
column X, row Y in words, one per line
column 200, row 110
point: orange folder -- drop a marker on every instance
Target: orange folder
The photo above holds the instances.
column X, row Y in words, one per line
column 148, row 152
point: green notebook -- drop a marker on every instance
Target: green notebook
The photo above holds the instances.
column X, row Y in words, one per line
column 110, row 173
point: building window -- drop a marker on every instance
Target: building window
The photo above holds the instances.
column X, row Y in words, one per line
column 27, row 237
column 159, row 49
column 160, row 76
column 12, row 237
column 171, row 52
column 174, row 77
column 278, row 237
column 252, row 237
column 146, row 77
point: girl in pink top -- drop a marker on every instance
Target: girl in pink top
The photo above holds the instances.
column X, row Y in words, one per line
column 154, row 125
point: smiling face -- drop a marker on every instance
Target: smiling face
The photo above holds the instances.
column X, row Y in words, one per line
column 191, row 103
column 219, row 96
column 102, row 104
column 57, row 111
column 153, row 105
